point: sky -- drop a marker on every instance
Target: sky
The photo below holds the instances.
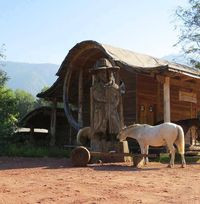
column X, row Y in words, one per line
column 43, row 31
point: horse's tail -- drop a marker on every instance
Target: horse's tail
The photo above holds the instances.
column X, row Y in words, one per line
column 83, row 135
column 180, row 141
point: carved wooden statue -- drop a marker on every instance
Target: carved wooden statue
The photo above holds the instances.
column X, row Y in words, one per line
column 112, row 102
column 105, row 97
column 106, row 111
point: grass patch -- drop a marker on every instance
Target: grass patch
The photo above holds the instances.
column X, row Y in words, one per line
column 14, row 150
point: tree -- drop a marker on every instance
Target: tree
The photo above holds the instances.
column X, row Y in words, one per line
column 8, row 114
column 39, row 102
column 189, row 27
column 2, row 50
column 3, row 78
column 24, row 102
column 3, row 75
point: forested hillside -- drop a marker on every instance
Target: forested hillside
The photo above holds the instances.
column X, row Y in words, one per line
column 30, row 77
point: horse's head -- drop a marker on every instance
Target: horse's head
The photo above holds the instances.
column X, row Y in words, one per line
column 121, row 136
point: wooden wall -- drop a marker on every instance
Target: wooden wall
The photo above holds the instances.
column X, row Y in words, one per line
column 150, row 99
column 87, row 83
column 143, row 100
column 129, row 98
column 183, row 109
column 147, row 99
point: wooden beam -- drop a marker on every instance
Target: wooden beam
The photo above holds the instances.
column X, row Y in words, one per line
column 160, row 79
column 121, row 111
column 158, row 107
column 166, row 89
column 31, row 134
column 53, row 124
column 70, row 134
column 80, row 98
column 91, row 110
column 181, row 81
column 137, row 120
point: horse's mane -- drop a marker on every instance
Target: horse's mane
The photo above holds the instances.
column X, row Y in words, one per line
column 133, row 126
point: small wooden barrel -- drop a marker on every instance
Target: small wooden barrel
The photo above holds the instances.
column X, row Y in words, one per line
column 80, row 156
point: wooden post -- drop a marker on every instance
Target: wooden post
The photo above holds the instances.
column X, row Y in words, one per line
column 80, row 98
column 31, row 135
column 121, row 111
column 158, row 107
column 166, row 89
column 53, row 124
column 70, row 135
column 91, row 109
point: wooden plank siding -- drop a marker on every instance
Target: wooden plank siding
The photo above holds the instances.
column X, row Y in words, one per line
column 129, row 98
column 87, row 83
column 182, row 109
column 147, row 88
column 147, row 91
column 150, row 93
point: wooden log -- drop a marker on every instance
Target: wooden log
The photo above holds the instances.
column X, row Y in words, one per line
column 107, row 154
column 81, row 156
column 166, row 89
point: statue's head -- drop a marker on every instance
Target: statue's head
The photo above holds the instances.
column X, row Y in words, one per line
column 103, row 70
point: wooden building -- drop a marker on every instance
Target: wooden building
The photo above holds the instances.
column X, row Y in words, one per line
column 40, row 118
column 156, row 89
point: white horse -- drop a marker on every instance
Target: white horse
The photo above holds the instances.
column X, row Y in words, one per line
column 166, row 134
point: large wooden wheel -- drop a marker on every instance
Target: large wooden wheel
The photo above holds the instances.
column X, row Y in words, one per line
column 70, row 118
column 80, row 156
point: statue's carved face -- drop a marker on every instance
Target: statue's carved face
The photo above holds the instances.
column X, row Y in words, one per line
column 111, row 77
column 102, row 76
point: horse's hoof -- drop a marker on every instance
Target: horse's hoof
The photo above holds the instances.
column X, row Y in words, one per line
column 100, row 162
column 170, row 166
column 183, row 165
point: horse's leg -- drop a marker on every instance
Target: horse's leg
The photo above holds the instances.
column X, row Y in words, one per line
column 143, row 150
column 180, row 143
column 172, row 152
column 183, row 160
column 182, row 155
column 146, row 159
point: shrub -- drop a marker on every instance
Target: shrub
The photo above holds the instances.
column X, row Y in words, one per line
column 14, row 150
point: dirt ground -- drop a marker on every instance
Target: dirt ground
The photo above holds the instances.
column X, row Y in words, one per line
column 28, row 180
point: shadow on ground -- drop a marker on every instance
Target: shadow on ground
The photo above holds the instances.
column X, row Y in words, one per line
column 7, row 163
column 21, row 162
column 118, row 167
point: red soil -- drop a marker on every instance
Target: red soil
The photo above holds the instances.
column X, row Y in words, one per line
column 28, row 180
